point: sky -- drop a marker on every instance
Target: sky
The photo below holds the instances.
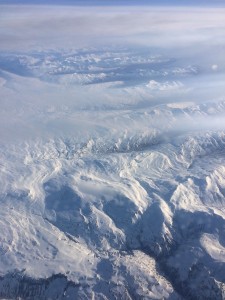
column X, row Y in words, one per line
column 44, row 27
column 119, row 2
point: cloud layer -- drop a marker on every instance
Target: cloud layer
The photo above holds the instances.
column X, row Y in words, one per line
column 44, row 27
column 127, row 58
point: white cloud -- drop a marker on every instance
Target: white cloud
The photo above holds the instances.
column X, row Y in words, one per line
column 182, row 35
column 164, row 86
column 26, row 27
column 214, row 67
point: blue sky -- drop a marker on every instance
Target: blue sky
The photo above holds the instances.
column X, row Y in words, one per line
column 120, row 2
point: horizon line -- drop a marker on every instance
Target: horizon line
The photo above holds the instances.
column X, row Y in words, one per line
column 200, row 3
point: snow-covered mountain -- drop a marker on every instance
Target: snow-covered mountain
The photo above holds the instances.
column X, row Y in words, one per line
column 112, row 166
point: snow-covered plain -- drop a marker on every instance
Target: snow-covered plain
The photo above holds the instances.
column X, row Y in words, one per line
column 112, row 156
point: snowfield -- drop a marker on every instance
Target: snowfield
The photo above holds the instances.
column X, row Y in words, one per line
column 112, row 167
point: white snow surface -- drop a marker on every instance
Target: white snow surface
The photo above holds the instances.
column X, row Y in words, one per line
column 112, row 164
column 101, row 188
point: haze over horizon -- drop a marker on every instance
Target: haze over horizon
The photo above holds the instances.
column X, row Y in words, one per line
column 118, row 2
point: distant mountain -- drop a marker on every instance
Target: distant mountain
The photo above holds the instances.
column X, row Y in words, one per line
column 107, row 199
